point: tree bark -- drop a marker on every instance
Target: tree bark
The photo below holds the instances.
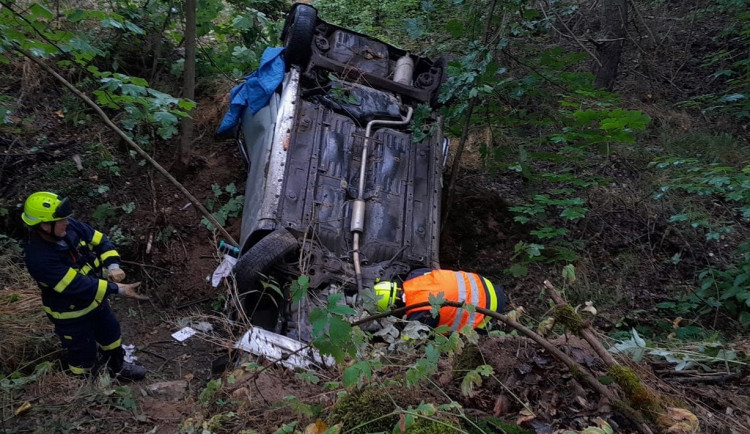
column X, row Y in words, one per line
column 188, row 87
column 609, row 47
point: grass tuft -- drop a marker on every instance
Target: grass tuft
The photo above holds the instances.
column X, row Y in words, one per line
column 27, row 335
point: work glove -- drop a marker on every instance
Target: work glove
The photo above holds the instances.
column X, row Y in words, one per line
column 115, row 273
column 128, row 290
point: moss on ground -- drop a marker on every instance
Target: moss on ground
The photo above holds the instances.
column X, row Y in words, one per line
column 375, row 408
column 467, row 360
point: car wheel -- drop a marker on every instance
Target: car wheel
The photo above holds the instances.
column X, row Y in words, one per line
column 259, row 258
column 298, row 33
column 439, row 69
column 262, row 307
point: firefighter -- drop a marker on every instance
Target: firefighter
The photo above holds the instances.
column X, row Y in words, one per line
column 458, row 286
column 67, row 258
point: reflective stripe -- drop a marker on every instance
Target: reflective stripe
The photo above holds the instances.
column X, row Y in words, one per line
column 112, row 346
column 474, row 299
column 461, row 299
column 109, row 254
column 82, row 244
column 101, row 292
column 65, row 281
column 490, row 300
column 493, row 294
column 86, row 269
column 97, row 238
column 78, row 370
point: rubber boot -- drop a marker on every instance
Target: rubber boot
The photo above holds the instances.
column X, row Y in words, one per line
column 131, row 372
column 120, row 369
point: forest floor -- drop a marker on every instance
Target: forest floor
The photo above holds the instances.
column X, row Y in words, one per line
column 165, row 246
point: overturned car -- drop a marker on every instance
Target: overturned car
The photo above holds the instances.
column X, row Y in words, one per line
column 344, row 180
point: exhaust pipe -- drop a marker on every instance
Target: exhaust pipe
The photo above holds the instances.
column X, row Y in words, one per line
column 358, row 209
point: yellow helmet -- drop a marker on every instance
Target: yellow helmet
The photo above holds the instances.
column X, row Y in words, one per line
column 44, row 206
column 385, row 293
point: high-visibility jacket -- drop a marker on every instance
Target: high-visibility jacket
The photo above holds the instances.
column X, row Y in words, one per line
column 68, row 272
column 458, row 286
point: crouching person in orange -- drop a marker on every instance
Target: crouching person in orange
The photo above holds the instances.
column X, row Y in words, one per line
column 66, row 257
column 458, row 286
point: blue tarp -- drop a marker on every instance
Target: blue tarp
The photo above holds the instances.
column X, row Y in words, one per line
column 257, row 89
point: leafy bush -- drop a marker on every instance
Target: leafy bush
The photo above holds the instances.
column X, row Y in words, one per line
column 231, row 208
column 718, row 287
column 732, row 62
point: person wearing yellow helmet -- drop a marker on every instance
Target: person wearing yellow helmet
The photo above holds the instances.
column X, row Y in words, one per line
column 458, row 286
column 67, row 258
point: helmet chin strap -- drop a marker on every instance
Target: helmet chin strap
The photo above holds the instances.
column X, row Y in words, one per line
column 52, row 231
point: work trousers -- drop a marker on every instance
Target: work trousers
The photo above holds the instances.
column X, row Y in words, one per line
column 83, row 338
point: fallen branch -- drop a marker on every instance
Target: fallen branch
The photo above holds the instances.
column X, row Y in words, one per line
column 579, row 371
column 584, row 330
column 641, row 397
column 709, row 379
column 130, row 142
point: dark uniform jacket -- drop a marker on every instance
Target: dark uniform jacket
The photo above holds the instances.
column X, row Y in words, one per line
column 69, row 272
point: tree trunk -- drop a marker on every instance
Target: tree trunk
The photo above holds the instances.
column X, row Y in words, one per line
column 188, row 87
column 609, row 47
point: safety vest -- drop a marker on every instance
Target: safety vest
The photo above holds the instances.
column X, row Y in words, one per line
column 458, row 286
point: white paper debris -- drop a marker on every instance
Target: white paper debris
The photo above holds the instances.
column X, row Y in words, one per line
column 183, row 334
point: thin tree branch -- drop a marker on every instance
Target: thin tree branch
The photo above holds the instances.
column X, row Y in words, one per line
column 457, row 161
column 585, row 331
column 580, row 371
column 130, row 142
column 573, row 36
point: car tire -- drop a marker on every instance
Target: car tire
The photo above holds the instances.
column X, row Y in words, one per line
column 298, row 33
column 261, row 256
column 439, row 65
column 262, row 307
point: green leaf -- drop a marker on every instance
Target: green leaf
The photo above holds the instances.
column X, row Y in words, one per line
column 426, row 409
column 342, row 309
column 167, row 132
column 436, row 302
column 134, row 28
column 76, row 15
column 133, row 90
column 518, row 270
column 287, row 428
column 533, row 250
column 40, row 11
column 165, row 118
column 569, row 273
column 574, row 213
column 299, row 288
column 732, row 97
column 471, row 379
column 111, row 23
column 356, row 373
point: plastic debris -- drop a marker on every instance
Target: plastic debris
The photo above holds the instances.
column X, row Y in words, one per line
column 223, row 270
column 281, row 349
